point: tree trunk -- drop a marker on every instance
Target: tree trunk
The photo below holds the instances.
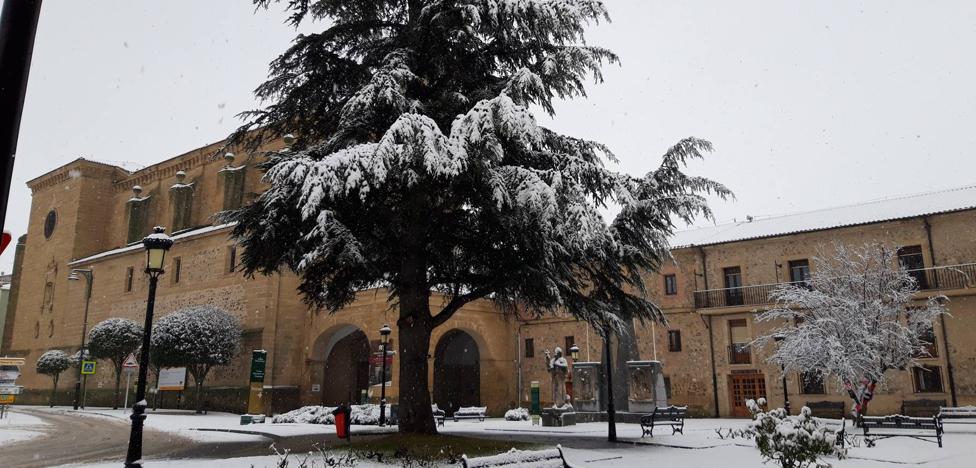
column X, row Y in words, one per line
column 118, row 384
column 200, row 396
column 54, row 389
column 414, row 413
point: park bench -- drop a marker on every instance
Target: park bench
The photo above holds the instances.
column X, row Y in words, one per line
column 921, row 408
column 958, row 414
column 673, row 416
column 470, row 412
column 535, row 458
column 826, row 409
column 438, row 415
column 884, row 427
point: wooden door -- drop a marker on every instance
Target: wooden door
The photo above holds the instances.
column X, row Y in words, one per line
column 743, row 387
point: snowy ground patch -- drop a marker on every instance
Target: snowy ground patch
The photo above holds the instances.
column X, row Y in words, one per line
column 17, row 427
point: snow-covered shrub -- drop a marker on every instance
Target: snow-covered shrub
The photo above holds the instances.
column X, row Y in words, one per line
column 359, row 414
column 198, row 337
column 52, row 363
column 791, row 441
column 855, row 318
column 517, row 414
column 113, row 339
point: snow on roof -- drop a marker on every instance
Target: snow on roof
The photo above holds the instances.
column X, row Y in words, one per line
column 138, row 245
column 887, row 209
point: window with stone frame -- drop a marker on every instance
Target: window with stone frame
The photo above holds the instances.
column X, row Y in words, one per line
column 670, row 285
column 799, row 271
column 231, row 259
column 674, row 340
column 529, row 347
column 129, row 273
column 176, row 269
column 927, row 379
column 910, row 258
column 812, row 383
column 570, row 341
column 930, row 348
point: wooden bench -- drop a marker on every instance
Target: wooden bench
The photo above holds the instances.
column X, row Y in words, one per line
column 535, row 458
column 883, row 427
column 673, row 416
column 952, row 414
column 921, row 408
column 826, row 409
column 438, row 415
column 470, row 412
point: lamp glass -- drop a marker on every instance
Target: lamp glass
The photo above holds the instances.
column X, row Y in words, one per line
column 385, row 333
column 154, row 258
column 574, row 352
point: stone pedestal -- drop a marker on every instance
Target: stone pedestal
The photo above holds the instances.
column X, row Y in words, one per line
column 587, row 385
column 645, row 386
column 559, row 417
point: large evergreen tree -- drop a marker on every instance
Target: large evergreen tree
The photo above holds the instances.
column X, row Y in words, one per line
column 420, row 168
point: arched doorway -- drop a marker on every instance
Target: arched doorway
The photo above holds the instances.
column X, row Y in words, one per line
column 346, row 373
column 457, row 372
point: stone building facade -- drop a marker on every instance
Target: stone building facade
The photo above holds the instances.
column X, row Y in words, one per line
column 89, row 215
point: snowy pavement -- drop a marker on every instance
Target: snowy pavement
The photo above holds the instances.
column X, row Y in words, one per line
column 15, row 427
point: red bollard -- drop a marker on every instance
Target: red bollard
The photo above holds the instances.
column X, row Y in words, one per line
column 342, row 422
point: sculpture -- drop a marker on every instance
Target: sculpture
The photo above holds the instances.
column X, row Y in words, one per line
column 558, row 367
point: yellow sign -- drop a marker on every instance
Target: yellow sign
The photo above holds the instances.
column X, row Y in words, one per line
column 12, row 361
column 7, row 399
column 87, row 367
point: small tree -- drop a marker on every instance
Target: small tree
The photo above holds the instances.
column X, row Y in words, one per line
column 53, row 363
column 856, row 318
column 114, row 339
column 198, row 337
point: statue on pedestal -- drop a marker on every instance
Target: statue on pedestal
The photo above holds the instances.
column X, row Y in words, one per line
column 558, row 367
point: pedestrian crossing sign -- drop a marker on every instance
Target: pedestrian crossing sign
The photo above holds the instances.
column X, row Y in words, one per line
column 88, row 367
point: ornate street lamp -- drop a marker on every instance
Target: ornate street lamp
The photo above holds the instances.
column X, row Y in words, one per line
column 156, row 244
column 75, row 275
column 385, row 338
column 574, row 352
column 778, row 338
column 611, row 412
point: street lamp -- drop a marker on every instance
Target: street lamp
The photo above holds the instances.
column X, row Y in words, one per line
column 778, row 338
column 574, row 352
column 385, row 338
column 82, row 352
column 611, row 412
column 156, row 244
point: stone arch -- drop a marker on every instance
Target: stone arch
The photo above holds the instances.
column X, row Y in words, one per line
column 457, row 371
column 341, row 354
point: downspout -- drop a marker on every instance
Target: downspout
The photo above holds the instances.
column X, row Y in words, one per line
column 518, row 361
column 711, row 339
column 942, row 324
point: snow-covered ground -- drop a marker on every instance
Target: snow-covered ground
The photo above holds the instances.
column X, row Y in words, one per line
column 16, row 427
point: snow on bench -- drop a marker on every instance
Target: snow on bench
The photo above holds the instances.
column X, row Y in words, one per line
column 549, row 458
column 952, row 414
column 883, row 427
column 438, row 414
column 673, row 416
column 470, row 412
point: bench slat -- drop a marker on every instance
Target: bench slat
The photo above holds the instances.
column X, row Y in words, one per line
column 522, row 458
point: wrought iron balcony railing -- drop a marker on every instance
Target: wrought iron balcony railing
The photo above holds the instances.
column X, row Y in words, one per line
column 740, row 353
column 928, row 279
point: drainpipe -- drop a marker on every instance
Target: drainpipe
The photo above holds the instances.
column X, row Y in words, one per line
column 518, row 361
column 711, row 339
column 942, row 324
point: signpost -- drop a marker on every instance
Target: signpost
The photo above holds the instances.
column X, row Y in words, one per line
column 9, row 371
column 87, row 367
column 129, row 366
column 172, row 379
column 255, row 404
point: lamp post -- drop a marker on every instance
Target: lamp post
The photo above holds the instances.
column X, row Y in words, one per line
column 156, row 244
column 778, row 338
column 385, row 338
column 611, row 412
column 82, row 351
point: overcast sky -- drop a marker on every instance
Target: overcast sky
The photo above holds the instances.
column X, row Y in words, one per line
column 808, row 104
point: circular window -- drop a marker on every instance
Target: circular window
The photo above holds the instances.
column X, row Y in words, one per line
column 49, row 222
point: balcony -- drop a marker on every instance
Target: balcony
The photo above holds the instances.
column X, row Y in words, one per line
column 740, row 353
column 929, row 279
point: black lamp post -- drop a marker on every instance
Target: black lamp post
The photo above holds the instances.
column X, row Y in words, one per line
column 385, row 338
column 611, row 412
column 156, row 244
column 82, row 352
column 786, row 392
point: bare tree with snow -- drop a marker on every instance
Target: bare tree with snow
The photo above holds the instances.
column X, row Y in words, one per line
column 855, row 319
column 52, row 363
column 198, row 337
column 114, row 339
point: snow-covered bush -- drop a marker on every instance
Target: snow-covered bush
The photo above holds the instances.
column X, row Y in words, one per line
column 517, row 414
column 52, row 363
column 359, row 414
column 855, row 318
column 198, row 337
column 113, row 339
column 791, row 441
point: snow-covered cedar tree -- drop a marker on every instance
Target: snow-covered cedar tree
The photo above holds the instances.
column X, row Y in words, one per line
column 419, row 167
column 791, row 441
column 855, row 319
column 52, row 363
column 198, row 337
column 114, row 339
